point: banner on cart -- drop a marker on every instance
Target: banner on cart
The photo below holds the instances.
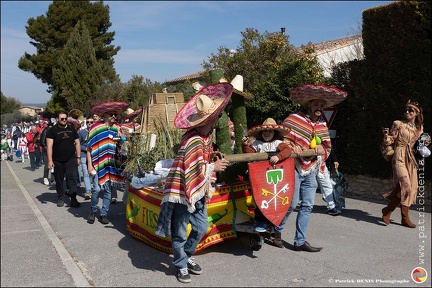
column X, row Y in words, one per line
column 272, row 188
column 228, row 205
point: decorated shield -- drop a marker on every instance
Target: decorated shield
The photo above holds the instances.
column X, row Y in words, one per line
column 272, row 188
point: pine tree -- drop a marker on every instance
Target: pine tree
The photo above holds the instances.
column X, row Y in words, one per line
column 51, row 32
column 78, row 73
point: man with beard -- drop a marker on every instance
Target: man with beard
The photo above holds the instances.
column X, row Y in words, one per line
column 308, row 132
column 103, row 144
column 64, row 149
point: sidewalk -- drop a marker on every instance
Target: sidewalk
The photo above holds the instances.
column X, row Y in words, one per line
column 43, row 245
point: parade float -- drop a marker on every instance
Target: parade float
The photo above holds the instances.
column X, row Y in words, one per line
column 231, row 208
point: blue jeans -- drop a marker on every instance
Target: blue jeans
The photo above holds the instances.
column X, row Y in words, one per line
column 184, row 248
column 305, row 190
column 86, row 176
column 32, row 156
column 326, row 187
column 106, row 200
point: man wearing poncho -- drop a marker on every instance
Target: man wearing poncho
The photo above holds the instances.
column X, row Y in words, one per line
column 102, row 156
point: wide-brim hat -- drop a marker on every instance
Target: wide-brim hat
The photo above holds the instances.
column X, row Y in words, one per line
column 73, row 121
column 204, row 106
column 103, row 107
column 131, row 113
column 268, row 124
column 303, row 94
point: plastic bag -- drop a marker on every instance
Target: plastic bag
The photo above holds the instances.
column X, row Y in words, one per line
column 340, row 184
column 18, row 154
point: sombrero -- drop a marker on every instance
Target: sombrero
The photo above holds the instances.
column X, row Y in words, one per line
column 103, row 107
column 302, row 94
column 73, row 121
column 268, row 124
column 131, row 113
column 204, row 106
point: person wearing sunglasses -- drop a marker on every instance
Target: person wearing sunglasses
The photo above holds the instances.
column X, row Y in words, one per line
column 404, row 134
column 102, row 158
column 83, row 167
column 64, row 150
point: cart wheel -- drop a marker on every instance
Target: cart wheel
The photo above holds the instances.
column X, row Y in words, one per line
column 256, row 241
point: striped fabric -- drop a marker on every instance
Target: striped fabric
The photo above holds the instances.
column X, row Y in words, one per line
column 191, row 174
column 301, row 133
column 103, row 153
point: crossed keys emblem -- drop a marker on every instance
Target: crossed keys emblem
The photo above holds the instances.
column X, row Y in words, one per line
column 274, row 176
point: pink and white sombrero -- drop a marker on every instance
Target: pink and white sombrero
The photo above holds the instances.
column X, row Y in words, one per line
column 111, row 106
column 268, row 124
column 204, row 106
column 131, row 113
column 302, row 94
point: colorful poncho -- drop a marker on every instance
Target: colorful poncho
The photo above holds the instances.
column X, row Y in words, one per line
column 191, row 175
column 302, row 130
column 104, row 153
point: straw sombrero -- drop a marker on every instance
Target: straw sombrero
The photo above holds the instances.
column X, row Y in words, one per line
column 131, row 113
column 103, row 107
column 268, row 124
column 204, row 106
column 302, row 94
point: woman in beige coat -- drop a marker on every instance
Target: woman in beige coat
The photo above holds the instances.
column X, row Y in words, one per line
column 404, row 164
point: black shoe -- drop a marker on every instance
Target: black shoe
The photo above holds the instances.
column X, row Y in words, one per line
column 60, row 203
column 74, row 203
column 113, row 200
column 91, row 218
column 334, row 211
column 67, row 193
column 104, row 219
column 193, row 267
column 183, row 275
column 307, row 247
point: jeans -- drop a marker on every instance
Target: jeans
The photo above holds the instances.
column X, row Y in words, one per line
column 184, row 248
column 38, row 155
column 45, row 160
column 106, row 200
column 326, row 187
column 32, row 156
column 86, row 176
column 305, row 190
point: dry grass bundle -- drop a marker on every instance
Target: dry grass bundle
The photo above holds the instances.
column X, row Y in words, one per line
column 142, row 155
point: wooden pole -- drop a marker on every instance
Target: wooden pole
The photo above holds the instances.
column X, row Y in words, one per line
column 249, row 157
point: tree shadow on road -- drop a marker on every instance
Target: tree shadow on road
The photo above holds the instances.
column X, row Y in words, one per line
column 356, row 214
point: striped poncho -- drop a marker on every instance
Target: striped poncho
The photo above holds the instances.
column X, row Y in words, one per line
column 103, row 152
column 302, row 130
column 191, row 175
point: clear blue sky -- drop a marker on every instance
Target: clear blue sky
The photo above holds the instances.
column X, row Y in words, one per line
column 163, row 40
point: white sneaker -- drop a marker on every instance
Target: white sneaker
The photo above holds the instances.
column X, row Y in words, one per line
column 46, row 182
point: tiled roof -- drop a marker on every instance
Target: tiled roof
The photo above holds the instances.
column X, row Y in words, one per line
column 320, row 48
column 192, row 76
column 331, row 45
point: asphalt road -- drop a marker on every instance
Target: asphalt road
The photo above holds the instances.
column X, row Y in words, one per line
column 43, row 245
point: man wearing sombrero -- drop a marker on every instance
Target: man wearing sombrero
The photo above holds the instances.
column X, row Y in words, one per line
column 130, row 120
column 190, row 182
column 102, row 158
column 308, row 131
